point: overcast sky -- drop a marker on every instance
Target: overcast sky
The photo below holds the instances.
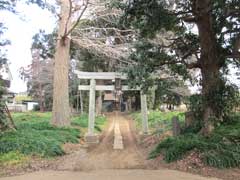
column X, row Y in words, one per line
column 21, row 29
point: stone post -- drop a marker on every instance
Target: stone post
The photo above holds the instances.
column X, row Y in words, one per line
column 91, row 137
column 176, row 126
column 144, row 113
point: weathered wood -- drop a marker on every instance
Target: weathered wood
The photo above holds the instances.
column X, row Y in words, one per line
column 100, row 75
column 105, row 88
column 144, row 113
column 11, row 124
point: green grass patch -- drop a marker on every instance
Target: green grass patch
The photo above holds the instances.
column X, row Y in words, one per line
column 31, row 116
column 221, row 149
column 82, row 121
column 35, row 136
column 159, row 121
column 12, row 158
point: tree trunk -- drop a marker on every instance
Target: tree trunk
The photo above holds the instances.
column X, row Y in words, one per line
column 41, row 105
column 210, row 82
column 77, row 106
column 61, row 109
column 210, row 61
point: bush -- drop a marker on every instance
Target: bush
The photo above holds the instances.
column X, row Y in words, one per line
column 36, row 108
column 221, row 150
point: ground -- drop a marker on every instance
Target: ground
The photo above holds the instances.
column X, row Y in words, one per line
column 103, row 162
column 108, row 174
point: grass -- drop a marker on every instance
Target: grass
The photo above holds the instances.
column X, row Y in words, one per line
column 221, row 149
column 82, row 121
column 12, row 158
column 35, row 136
column 158, row 121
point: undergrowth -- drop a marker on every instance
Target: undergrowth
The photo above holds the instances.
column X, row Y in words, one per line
column 35, row 136
column 221, row 149
column 12, row 158
column 159, row 121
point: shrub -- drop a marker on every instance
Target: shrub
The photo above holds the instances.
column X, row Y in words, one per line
column 221, row 150
column 36, row 108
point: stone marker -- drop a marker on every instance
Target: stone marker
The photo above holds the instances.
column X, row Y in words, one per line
column 176, row 126
column 91, row 137
column 144, row 113
column 189, row 119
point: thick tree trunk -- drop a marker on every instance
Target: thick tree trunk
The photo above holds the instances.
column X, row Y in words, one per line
column 61, row 109
column 210, row 82
column 210, row 61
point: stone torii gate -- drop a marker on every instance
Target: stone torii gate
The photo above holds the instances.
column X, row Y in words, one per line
column 90, row 136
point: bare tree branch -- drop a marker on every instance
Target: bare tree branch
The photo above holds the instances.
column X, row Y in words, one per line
column 78, row 20
column 69, row 18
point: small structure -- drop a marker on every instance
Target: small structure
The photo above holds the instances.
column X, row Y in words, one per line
column 176, row 126
column 91, row 137
column 30, row 104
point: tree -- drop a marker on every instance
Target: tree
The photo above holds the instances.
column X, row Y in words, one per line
column 61, row 109
column 39, row 74
column 167, row 40
column 4, row 5
column 100, row 43
column 171, row 92
column 8, row 5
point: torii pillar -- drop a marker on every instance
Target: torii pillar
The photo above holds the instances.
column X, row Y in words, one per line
column 91, row 137
column 144, row 112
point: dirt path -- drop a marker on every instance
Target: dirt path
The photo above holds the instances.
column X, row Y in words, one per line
column 103, row 156
column 109, row 175
column 102, row 162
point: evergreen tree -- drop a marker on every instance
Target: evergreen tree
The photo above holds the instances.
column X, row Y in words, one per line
column 167, row 39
